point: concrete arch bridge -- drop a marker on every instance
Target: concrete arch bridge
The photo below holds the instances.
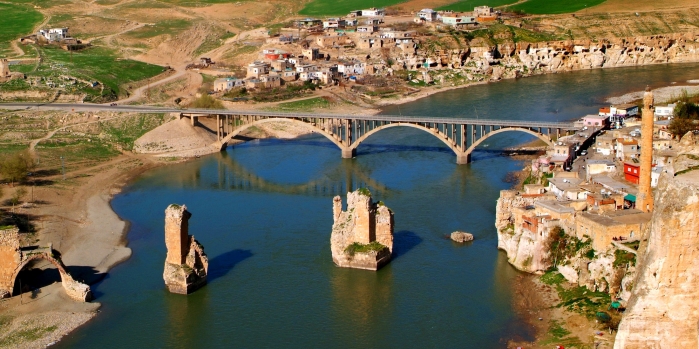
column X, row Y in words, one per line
column 347, row 132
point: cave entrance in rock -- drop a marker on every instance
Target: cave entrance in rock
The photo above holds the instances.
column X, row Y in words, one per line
column 34, row 275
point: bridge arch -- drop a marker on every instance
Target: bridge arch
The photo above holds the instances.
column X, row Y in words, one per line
column 75, row 290
column 337, row 142
column 441, row 136
column 536, row 134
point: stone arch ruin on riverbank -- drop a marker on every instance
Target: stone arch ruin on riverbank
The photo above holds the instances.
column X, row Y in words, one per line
column 14, row 258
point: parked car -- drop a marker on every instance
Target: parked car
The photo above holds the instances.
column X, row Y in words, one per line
column 113, row 105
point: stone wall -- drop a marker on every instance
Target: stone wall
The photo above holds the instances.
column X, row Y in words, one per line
column 13, row 260
column 186, row 265
column 664, row 306
column 9, row 259
column 176, row 233
column 363, row 223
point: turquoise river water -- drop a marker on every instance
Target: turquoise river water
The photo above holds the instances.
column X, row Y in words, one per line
column 263, row 211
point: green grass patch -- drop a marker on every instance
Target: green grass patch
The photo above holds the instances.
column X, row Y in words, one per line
column 468, row 5
column 304, row 105
column 11, row 148
column 41, row 3
column 342, row 7
column 76, row 152
column 541, row 7
column 215, row 37
column 17, row 20
column 552, row 277
column 25, row 335
column 361, row 248
column 198, row 3
column 499, row 33
column 127, row 132
column 622, row 257
column 170, row 27
column 96, row 64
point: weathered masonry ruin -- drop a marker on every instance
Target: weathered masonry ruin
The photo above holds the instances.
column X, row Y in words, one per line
column 14, row 258
column 362, row 236
column 186, row 264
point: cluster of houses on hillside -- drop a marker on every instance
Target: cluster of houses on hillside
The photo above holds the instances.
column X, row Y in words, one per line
column 598, row 199
column 58, row 36
column 606, row 181
column 362, row 30
column 480, row 14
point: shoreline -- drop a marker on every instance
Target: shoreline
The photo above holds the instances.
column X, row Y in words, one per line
column 426, row 92
column 93, row 198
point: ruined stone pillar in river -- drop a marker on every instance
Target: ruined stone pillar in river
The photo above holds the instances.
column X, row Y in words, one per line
column 186, row 264
column 362, row 236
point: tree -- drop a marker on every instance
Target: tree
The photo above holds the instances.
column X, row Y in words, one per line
column 679, row 126
column 17, row 196
column 15, row 167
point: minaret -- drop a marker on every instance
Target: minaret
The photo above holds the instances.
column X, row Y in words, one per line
column 644, row 202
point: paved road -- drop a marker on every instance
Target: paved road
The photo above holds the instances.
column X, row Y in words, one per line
column 85, row 107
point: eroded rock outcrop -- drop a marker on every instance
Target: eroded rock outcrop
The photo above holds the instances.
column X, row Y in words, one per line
column 186, row 265
column 362, row 236
column 663, row 311
column 460, row 236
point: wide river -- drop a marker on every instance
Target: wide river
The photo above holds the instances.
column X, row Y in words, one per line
column 263, row 211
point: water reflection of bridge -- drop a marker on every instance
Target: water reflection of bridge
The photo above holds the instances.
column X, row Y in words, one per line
column 230, row 175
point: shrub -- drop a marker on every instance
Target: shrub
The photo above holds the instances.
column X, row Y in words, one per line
column 15, row 167
column 361, row 248
column 206, row 102
column 17, row 196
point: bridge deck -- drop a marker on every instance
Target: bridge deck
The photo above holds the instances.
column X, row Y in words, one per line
column 388, row 118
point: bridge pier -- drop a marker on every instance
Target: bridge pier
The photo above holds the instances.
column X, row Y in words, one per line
column 463, row 159
column 349, row 153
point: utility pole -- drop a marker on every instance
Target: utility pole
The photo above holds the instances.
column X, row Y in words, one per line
column 63, row 168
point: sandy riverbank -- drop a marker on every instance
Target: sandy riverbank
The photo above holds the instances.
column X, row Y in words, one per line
column 661, row 95
column 74, row 215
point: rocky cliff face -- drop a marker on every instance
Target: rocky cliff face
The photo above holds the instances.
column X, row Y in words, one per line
column 483, row 59
column 524, row 249
column 530, row 250
column 664, row 306
column 362, row 236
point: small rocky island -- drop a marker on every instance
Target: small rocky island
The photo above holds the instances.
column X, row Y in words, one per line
column 362, row 236
column 186, row 265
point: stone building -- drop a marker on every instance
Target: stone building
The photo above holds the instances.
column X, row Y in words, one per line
column 602, row 229
column 362, row 236
column 186, row 264
column 4, row 69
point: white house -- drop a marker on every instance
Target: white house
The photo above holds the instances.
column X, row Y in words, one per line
column 427, row 14
column 374, row 12
column 225, row 84
column 351, row 68
column 666, row 111
column 54, row 34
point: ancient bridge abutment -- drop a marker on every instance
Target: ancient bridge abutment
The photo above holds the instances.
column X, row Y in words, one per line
column 14, row 258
